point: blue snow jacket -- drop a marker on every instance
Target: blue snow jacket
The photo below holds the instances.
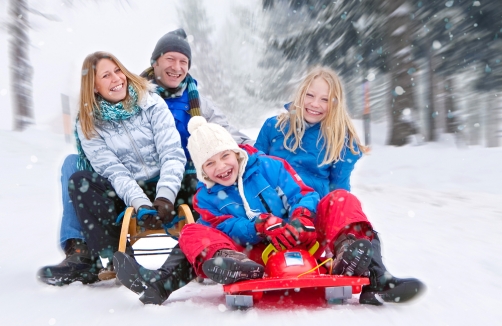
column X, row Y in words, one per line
column 324, row 178
column 179, row 107
column 270, row 186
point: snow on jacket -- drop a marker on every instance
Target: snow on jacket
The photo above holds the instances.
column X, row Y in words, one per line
column 270, row 186
column 143, row 147
column 324, row 178
column 179, row 108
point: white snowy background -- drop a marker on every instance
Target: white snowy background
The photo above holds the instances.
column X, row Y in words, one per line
column 438, row 207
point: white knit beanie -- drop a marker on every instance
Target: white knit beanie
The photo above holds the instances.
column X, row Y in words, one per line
column 208, row 139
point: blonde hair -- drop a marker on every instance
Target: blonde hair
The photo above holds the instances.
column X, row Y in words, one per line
column 88, row 105
column 334, row 127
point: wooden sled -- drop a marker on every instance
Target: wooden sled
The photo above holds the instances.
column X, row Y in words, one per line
column 133, row 232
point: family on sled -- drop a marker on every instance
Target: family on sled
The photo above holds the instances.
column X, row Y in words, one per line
column 145, row 141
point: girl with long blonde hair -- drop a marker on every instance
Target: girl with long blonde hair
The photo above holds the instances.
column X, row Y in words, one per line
column 318, row 139
column 316, row 136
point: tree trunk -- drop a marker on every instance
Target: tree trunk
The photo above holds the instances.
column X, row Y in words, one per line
column 450, row 109
column 21, row 70
column 430, row 108
column 492, row 118
column 401, row 68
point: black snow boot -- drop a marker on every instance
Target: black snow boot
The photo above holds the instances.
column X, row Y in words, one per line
column 230, row 266
column 352, row 256
column 77, row 266
column 155, row 286
column 383, row 286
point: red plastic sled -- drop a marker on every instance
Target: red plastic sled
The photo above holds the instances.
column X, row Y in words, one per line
column 292, row 278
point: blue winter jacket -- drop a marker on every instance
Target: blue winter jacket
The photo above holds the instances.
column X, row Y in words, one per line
column 266, row 180
column 324, row 178
column 179, row 107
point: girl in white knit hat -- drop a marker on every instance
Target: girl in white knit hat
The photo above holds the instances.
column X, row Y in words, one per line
column 247, row 200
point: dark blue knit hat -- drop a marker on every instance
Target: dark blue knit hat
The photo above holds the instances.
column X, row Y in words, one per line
column 174, row 41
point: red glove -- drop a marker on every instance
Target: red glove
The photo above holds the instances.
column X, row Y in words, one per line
column 302, row 221
column 276, row 231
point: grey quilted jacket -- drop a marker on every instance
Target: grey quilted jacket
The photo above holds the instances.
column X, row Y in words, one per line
column 138, row 149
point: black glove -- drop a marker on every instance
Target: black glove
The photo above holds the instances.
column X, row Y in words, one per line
column 150, row 220
column 165, row 209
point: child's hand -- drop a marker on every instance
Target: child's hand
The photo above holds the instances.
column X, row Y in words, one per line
column 301, row 220
column 277, row 231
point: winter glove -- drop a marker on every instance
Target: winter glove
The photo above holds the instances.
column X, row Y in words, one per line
column 276, row 231
column 302, row 221
column 148, row 218
column 165, row 209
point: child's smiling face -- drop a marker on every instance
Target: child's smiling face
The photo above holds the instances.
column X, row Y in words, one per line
column 222, row 168
column 316, row 101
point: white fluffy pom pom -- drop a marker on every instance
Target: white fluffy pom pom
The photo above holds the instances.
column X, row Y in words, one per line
column 195, row 123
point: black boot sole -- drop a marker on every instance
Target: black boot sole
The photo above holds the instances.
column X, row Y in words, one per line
column 355, row 260
column 401, row 293
column 128, row 273
column 60, row 280
column 226, row 270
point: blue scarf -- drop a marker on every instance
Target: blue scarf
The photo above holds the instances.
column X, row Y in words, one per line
column 107, row 112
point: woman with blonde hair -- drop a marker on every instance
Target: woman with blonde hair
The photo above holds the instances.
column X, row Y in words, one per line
column 318, row 139
column 130, row 154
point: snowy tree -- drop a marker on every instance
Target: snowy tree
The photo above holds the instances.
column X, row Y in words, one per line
column 21, row 69
column 206, row 66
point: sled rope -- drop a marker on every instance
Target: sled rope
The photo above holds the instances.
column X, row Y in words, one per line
column 313, row 269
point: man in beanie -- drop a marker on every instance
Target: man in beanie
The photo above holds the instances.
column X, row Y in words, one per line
column 170, row 62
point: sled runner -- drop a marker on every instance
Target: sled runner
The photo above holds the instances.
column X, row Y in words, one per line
column 292, row 278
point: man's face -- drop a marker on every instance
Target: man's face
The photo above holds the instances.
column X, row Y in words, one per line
column 170, row 69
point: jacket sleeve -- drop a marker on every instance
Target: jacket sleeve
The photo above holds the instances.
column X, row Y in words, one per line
column 107, row 164
column 263, row 140
column 167, row 141
column 289, row 184
column 214, row 115
column 240, row 229
column 339, row 176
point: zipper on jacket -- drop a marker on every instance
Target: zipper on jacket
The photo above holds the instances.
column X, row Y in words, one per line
column 136, row 150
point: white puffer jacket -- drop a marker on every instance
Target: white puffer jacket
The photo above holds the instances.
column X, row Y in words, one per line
column 138, row 149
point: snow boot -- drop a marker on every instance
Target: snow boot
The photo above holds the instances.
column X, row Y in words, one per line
column 352, row 256
column 155, row 286
column 230, row 266
column 77, row 266
column 383, row 286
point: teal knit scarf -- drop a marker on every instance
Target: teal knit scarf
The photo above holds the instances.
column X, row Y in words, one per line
column 107, row 112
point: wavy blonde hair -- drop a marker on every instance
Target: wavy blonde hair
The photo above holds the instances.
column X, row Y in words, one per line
column 88, row 104
column 334, row 127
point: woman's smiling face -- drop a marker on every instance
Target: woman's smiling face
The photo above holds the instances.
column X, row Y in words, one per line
column 316, row 101
column 109, row 81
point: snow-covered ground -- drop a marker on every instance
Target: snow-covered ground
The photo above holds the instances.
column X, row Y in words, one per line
column 438, row 209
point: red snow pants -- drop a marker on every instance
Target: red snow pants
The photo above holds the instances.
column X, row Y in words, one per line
column 338, row 213
column 199, row 243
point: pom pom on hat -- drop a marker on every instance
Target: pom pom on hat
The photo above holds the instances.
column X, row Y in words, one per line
column 195, row 123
